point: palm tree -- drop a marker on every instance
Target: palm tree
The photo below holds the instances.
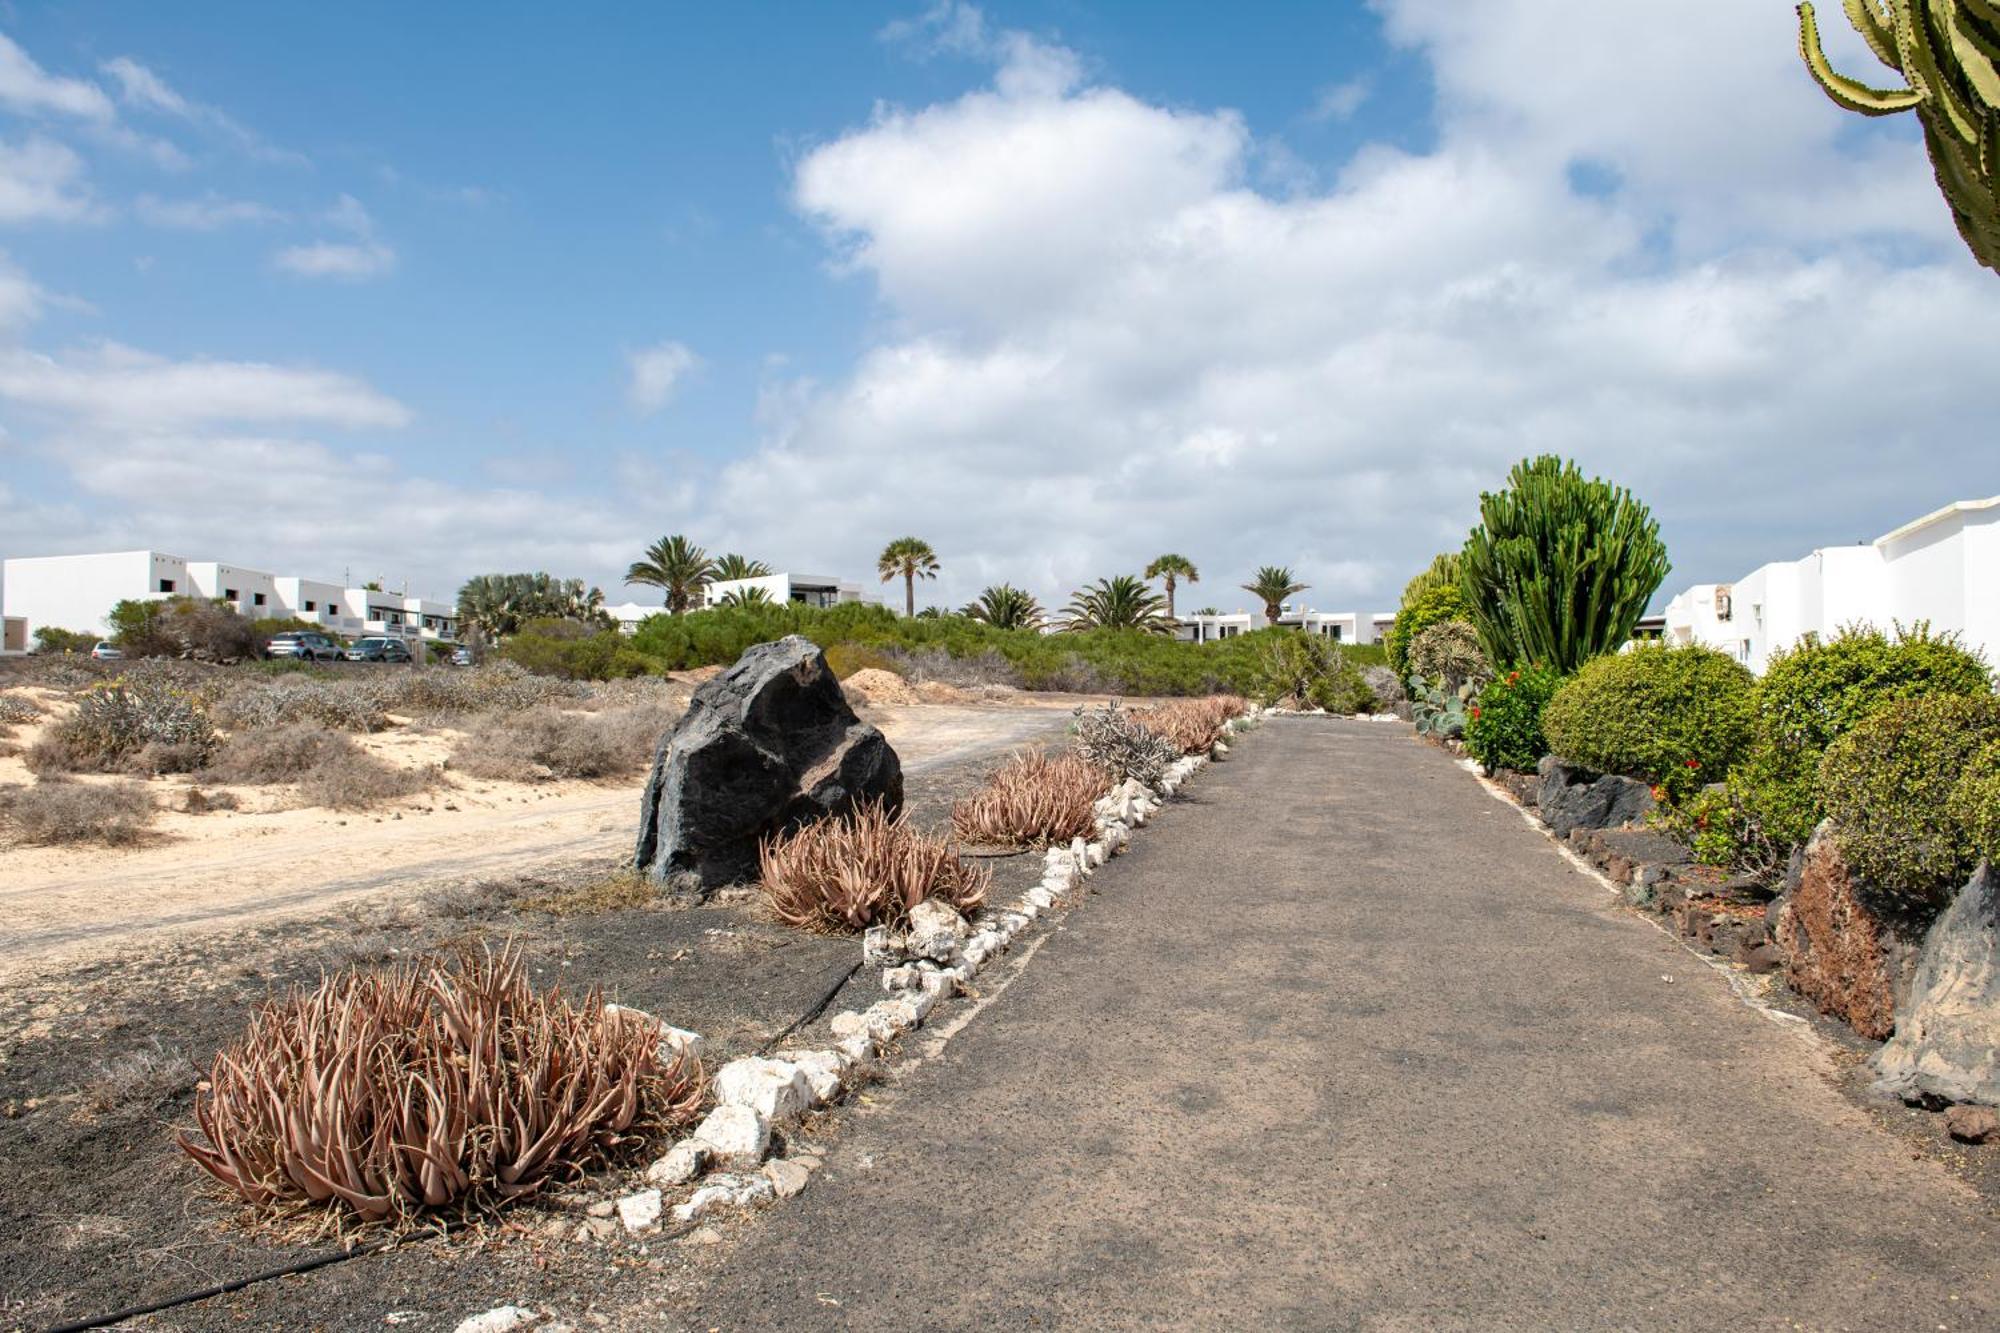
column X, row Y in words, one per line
column 1117, row 603
column 734, row 566
column 676, row 565
column 1273, row 584
column 1006, row 607
column 745, row 597
column 1169, row 569
column 913, row 558
column 495, row 605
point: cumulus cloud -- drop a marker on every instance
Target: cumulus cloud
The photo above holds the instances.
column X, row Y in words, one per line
column 118, row 386
column 364, row 256
column 656, row 372
column 1105, row 341
column 43, row 181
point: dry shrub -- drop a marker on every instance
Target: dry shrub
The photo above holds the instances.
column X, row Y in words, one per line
column 57, row 811
column 1193, row 725
column 1113, row 739
column 546, row 743
column 442, row 1084
column 864, row 869
column 199, row 802
column 1033, row 799
column 345, row 705
column 495, row 687
column 139, row 1080
column 18, row 710
column 329, row 768
column 619, row 892
column 115, row 724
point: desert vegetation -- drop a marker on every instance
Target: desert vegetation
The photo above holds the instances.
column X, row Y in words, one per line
column 1192, row 725
column 543, row 744
column 58, row 810
column 863, row 869
column 448, row 1084
column 1034, row 798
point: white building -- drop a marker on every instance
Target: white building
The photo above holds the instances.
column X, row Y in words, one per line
column 821, row 590
column 1341, row 626
column 1943, row 568
column 78, row 592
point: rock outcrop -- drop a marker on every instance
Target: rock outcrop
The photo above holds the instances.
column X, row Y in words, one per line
column 1947, row 1042
column 1839, row 952
column 1572, row 797
column 765, row 747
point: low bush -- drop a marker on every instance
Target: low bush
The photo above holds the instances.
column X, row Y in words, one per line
column 18, row 710
column 1676, row 717
column 1975, row 804
column 440, row 1085
column 543, row 744
column 1193, row 725
column 1889, row 786
column 114, row 723
column 199, row 802
column 327, row 767
column 1307, row 671
column 1112, row 740
column 497, row 686
column 1504, row 727
column 864, row 869
column 50, row 639
column 59, row 811
column 346, row 705
column 1449, row 651
column 1033, row 798
column 844, row 659
column 1431, row 605
column 572, row 650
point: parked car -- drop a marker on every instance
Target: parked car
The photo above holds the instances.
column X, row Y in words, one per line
column 378, row 648
column 303, row 646
column 462, row 657
column 106, row 651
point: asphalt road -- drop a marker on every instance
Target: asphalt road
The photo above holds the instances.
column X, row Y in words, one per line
column 1342, row 1043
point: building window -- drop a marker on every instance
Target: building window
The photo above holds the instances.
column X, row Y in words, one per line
column 166, row 585
column 229, row 594
column 309, row 606
column 332, row 608
column 257, row 598
column 1725, row 603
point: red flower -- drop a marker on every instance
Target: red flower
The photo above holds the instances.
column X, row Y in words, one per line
column 1694, row 763
column 1659, row 792
column 1475, row 710
column 1513, row 678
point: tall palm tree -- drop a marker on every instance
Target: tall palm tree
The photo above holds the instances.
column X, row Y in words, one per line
column 1169, row 569
column 1273, row 584
column 676, row 565
column 1006, row 607
column 1117, row 603
column 913, row 558
column 734, row 566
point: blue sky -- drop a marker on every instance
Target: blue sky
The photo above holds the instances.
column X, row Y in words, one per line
column 427, row 291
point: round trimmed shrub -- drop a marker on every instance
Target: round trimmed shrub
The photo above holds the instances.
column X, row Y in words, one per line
column 1504, row 728
column 1430, row 607
column 1975, row 804
column 1889, row 785
column 1449, row 651
column 1818, row 691
column 1677, row 717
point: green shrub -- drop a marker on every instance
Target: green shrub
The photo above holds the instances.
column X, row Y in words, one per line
column 1308, row 671
column 210, row 631
column 50, row 639
column 1889, row 785
column 1975, row 804
column 1449, row 651
column 1773, row 795
column 115, row 725
column 572, row 650
column 1504, row 728
column 1432, row 605
column 1676, row 717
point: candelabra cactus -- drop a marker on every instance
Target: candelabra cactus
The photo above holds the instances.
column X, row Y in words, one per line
column 1948, row 52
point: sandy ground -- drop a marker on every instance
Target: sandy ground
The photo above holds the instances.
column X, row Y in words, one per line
column 229, row 869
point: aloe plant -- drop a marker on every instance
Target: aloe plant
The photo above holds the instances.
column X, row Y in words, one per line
column 1948, row 54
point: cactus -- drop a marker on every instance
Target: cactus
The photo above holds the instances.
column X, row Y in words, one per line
column 1439, row 708
column 1560, row 568
column 1948, row 52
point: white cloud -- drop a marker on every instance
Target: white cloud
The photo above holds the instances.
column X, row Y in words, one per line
column 141, row 89
column 1339, row 101
column 26, row 87
column 656, row 372
column 336, row 259
column 43, row 181
column 1103, row 342
column 114, row 385
column 208, row 212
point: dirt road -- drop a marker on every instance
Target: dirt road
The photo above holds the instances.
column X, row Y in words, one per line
column 225, row 871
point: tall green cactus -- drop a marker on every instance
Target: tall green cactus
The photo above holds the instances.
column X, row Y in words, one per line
column 1559, row 569
column 1948, row 52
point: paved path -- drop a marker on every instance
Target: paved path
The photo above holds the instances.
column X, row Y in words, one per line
column 1342, row 1043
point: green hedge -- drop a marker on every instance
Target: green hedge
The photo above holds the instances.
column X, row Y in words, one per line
column 1677, row 717
column 1504, row 727
column 1431, row 606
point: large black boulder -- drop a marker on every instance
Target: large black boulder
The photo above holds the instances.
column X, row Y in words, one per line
column 765, row 747
column 1574, row 797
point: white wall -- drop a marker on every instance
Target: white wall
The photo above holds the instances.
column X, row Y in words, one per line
column 78, row 591
column 251, row 591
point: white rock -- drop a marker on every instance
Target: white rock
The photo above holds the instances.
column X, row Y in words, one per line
column 822, row 1071
column 856, row 1046
column 936, row 930
column 682, row 1163
column 901, row 1014
column 787, row 1178
column 900, row 978
column 736, row 1136
column 1040, row 897
column 881, row 947
column 640, row 1211
column 1097, row 854
column 1026, row 909
column 775, row 1090
column 1222, row 747
column 702, row 1200
column 500, row 1319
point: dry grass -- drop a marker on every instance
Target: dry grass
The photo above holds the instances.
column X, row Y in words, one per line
column 1033, row 799
column 139, row 1080
column 57, row 811
column 440, row 1085
column 199, row 802
column 621, row 892
column 544, row 744
column 328, row 768
column 18, row 710
column 1192, row 725
column 864, row 869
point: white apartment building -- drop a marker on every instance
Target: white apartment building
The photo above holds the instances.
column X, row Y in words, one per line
column 1341, row 626
column 821, row 590
column 78, row 592
column 1943, row 568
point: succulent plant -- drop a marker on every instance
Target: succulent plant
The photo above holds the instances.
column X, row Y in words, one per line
column 1439, row 708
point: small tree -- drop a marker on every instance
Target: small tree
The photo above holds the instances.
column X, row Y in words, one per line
column 910, row 558
column 678, row 567
column 1561, row 567
column 1005, row 606
column 1169, row 570
column 50, row 639
column 1273, row 584
column 1117, row 603
column 733, row 566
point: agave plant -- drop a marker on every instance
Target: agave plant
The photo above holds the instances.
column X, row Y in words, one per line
column 1273, row 584
column 678, row 567
column 1122, row 602
column 1948, row 53
column 867, row 867
column 910, row 559
column 734, row 566
column 1171, row 569
column 1005, row 606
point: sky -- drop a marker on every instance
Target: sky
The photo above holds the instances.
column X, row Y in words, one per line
column 413, row 293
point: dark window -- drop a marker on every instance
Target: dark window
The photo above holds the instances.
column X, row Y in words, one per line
column 257, row 597
column 333, row 608
column 309, row 606
column 166, row 585
column 229, row 594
